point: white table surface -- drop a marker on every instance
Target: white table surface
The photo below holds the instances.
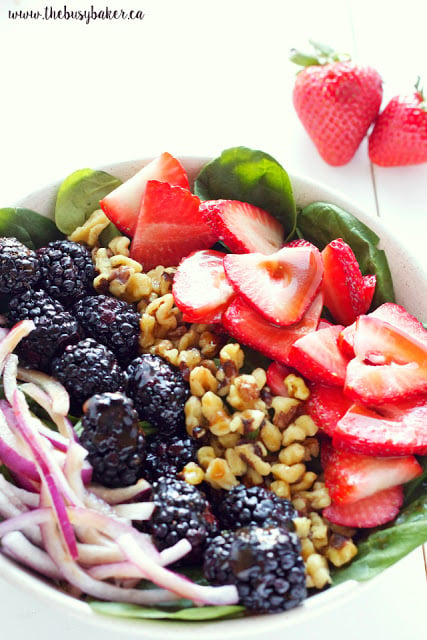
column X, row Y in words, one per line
column 192, row 78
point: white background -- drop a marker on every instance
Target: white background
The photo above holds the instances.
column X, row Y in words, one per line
column 192, row 78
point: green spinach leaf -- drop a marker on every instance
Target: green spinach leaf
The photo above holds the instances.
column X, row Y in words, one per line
column 244, row 174
column 28, row 226
column 187, row 613
column 78, row 197
column 321, row 222
column 386, row 546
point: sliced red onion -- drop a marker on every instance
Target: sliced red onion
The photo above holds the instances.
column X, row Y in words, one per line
column 121, row 495
column 175, row 582
column 10, row 371
column 19, row 497
column 55, row 390
column 65, row 428
column 9, row 342
column 115, row 570
column 50, row 474
column 176, row 552
column 11, row 446
column 77, row 577
column 135, row 510
column 97, row 554
column 17, row 546
column 25, row 519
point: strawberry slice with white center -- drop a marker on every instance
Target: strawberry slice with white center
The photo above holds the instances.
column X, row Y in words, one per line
column 200, row 287
column 243, row 227
column 391, row 430
column 249, row 327
column 395, row 315
column 169, row 226
column 317, row 356
column 280, row 286
column 347, row 293
column 326, row 405
column 373, row 511
column 122, row 205
column 350, row 477
column 389, row 365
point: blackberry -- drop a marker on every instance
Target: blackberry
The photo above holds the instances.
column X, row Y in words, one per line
column 265, row 564
column 55, row 327
column 181, row 511
column 19, row 266
column 87, row 368
column 243, row 506
column 67, row 270
column 167, row 456
column 112, row 322
column 113, row 439
column 159, row 392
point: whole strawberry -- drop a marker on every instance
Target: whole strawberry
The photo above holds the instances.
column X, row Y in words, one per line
column 336, row 100
column 399, row 136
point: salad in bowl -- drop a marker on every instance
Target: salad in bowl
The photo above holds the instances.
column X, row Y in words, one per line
column 214, row 392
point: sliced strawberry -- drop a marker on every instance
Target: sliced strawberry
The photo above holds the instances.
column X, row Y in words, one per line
column 299, row 242
column 245, row 324
column 280, row 286
column 169, row 226
column 350, row 477
column 392, row 313
column 389, row 364
column 200, row 287
column 326, row 405
column 343, row 284
column 372, row 511
column 243, row 227
column 317, row 356
column 393, row 430
column 276, row 374
column 122, row 205
column 369, row 284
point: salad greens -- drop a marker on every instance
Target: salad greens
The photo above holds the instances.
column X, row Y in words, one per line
column 78, row 197
column 31, row 228
column 251, row 176
column 189, row 614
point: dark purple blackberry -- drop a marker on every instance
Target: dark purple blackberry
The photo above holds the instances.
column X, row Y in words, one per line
column 243, row 506
column 19, row 266
column 113, row 439
column 55, row 328
column 167, row 456
column 87, row 368
column 67, row 270
column 159, row 392
column 181, row 511
column 112, row 322
column 265, row 564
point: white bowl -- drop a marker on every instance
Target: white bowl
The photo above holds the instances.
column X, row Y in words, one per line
column 409, row 279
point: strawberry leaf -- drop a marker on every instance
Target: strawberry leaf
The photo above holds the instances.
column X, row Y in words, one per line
column 322, row 222
column 240, row 173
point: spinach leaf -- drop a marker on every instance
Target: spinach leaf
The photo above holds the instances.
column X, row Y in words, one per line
column 78, row 197
column 187, row 613
column 244, row 174
column 386, row 546
column 321, row 222
column 28, row 226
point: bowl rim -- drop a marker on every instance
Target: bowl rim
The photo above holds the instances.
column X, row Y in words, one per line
column 304, row 188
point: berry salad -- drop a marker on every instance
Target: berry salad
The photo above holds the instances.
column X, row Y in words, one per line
column 211, row 403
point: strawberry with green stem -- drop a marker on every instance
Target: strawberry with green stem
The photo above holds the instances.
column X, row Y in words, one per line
column 399, row 136
column 336, row 100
